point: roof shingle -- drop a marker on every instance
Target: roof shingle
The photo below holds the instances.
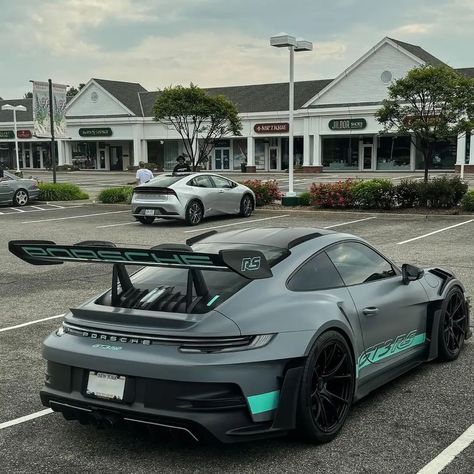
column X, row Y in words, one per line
column 125, row 92
column 419, row 53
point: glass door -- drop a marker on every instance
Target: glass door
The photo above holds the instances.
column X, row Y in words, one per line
column 273, row 155
column 221, row 159
column 368, row 152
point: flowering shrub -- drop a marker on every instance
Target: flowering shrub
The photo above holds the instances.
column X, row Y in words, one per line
column 336, row 195
column 265, row 191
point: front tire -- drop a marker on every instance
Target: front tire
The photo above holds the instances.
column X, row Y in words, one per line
column 246, row 206
column 21, row 198
column 194, row 213
column 148, row 220
column 452, row 325
column 327, row 388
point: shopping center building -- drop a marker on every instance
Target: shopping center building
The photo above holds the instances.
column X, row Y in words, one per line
column 110, row 125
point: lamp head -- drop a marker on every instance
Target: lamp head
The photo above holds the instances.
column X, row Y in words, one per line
column 303, row 45
column 282, row 40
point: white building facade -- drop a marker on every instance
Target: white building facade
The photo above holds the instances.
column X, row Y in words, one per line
column 110, row 125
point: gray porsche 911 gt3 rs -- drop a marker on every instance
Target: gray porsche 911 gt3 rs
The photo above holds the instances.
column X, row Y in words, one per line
column 244, row 334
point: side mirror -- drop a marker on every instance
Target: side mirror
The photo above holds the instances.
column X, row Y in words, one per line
column 411, row 273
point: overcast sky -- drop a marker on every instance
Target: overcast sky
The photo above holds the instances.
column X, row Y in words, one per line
column 214, row 42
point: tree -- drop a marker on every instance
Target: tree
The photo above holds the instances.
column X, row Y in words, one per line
column 429, row 104
column 199, row 118
column 28, row 95
column 72, row 91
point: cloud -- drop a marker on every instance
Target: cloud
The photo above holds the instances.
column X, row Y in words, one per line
column 413, row 29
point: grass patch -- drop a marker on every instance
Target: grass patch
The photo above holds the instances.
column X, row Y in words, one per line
column 61, row 192
column 116, row 195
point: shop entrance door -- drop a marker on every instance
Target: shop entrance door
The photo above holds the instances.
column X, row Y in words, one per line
column 103, row 159
column 367, row 157
column 221, row 159
column 116, row 161
column 274, row 162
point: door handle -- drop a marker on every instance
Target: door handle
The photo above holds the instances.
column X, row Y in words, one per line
column 370, row 311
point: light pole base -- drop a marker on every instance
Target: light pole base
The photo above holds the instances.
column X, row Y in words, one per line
column 290, row 200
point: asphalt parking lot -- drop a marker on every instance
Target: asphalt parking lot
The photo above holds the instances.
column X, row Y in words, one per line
column 399, row 428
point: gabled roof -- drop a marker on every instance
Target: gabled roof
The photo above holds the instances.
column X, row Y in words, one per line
column 125, row 92
column 254, row 98
column 419, row 53
column 466, row 71
column 7, row 115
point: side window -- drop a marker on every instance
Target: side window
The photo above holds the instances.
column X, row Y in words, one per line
column 358, row 263
column 221, row 182
column 201, row 182
column 318, row 273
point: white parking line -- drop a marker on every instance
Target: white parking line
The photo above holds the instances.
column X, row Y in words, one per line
column 16, row 209
column 56, row 205
column 435, row 232
column 405, row 177
column 73, row 217
column 29, row 323
column 447, row 456
column 116, row 225
column 22, row 419
column 41, row 209
column 203, row 229
column 349, row 222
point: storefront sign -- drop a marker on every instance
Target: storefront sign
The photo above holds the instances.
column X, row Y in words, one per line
column 23, row 134
column 282, row 127
column 95, row 132
column 6, row 134
column 348, row 124
column 221, row 143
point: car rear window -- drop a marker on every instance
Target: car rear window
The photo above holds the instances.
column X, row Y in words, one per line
column 220, row 284
column 164, row 181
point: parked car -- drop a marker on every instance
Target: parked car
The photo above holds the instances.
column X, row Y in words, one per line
column 17, row 191
column 190, row 197
column 246, row 333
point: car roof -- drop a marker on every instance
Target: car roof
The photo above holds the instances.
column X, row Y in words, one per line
column 282, row 237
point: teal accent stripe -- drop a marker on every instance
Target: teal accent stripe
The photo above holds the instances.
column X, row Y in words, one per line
column 212, row 300
column 372, row 356
column 263, row 402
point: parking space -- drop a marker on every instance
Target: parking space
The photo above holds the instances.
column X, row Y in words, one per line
column 399, row 428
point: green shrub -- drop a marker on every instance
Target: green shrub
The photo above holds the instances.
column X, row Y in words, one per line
column 374, row 194
column 467, row 202
column 265, row 191
column 116, row 195
column 409, row 193
column 60, row 192
column 338, row 195
column 443, row 192
column 305, row 199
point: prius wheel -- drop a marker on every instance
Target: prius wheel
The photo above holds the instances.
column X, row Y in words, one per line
column 146, row 220
column 327, row 388
column 21, row 198
column 246, row 206
column 194, row 213
column 452, row 326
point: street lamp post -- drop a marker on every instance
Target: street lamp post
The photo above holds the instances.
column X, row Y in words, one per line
column 15, row 108
column 283, row 40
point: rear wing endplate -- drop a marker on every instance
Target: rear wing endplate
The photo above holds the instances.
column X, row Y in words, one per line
column 250, row 264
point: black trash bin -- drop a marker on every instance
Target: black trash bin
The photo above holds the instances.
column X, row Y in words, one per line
column 243, row 167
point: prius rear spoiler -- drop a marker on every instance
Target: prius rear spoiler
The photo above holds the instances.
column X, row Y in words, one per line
column 250, row 264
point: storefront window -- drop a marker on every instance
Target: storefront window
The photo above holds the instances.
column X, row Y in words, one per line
column 170, row 149
column 393, row 153
column 156, row 153
column 297, row 152
column 240, row 152
column 340, row 153
column 7, row 153
column 468, row 148
column 260, row 153
column 444, row 155
column 84, row 155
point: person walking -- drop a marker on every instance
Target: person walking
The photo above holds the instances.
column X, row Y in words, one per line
column 143, row 174
column 182, row 166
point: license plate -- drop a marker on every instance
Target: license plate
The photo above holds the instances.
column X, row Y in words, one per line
column 106, row 386
column 149, row 212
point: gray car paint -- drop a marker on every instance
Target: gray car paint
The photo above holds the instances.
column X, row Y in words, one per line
column 10, row 185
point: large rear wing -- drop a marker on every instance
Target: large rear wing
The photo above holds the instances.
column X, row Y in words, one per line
column 250, row 264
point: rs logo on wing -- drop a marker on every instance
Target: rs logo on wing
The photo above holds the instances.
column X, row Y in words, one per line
column 250, row 263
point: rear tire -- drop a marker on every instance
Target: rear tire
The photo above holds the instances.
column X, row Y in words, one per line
column 327, row 388
column 452, row 325
column 194, row 213
column 21, row 198
column 246, row 206
column 148, row 220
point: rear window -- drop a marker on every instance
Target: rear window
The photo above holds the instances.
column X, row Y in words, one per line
column 171, row 284
column 164, row 181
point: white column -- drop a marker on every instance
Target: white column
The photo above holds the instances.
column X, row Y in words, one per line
column 306, row 150
column 68, row 152
column 317, row 150
column 136, row 151
column 61, row 155
column 250, row 151
column 461, row 149
column 144, row 155
column 471, row 149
